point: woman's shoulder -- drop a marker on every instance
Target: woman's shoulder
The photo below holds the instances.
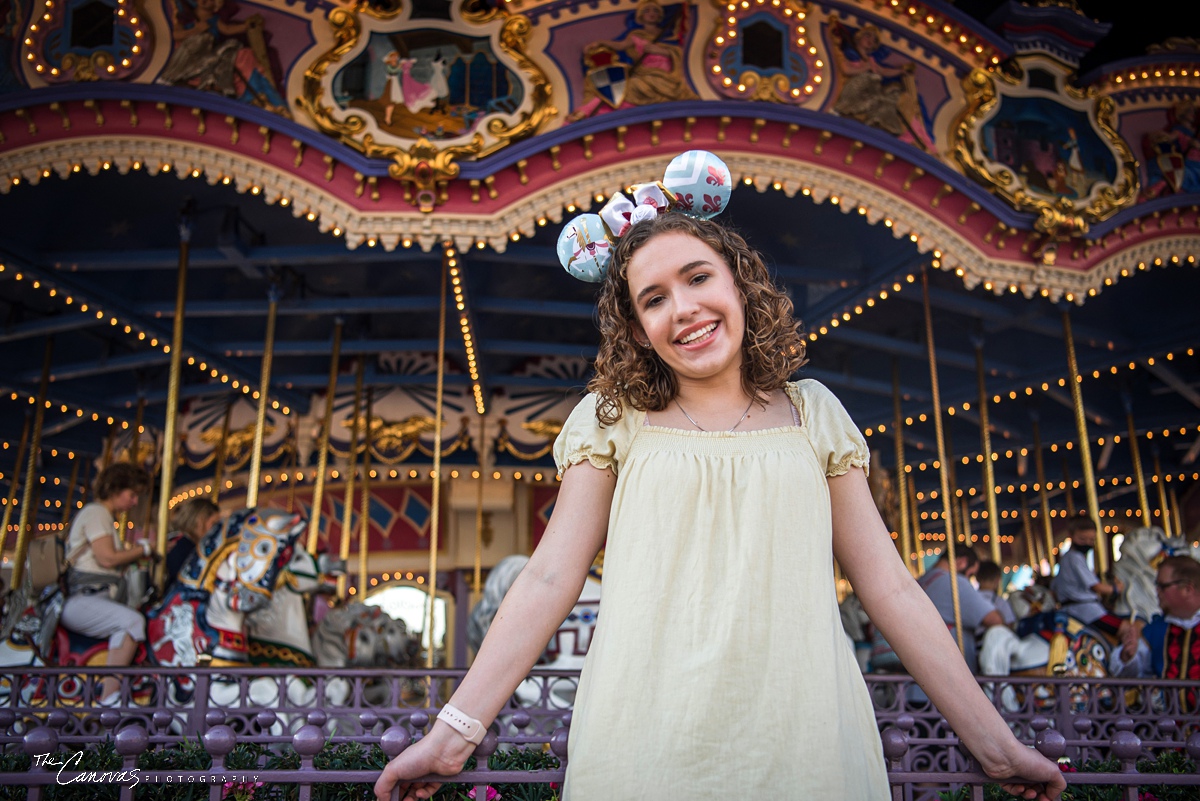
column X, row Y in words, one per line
column 811, row 396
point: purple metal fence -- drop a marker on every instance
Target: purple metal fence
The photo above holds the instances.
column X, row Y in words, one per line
column 52, row 709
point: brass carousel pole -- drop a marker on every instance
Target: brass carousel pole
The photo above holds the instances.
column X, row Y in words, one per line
column 364, row 523
column 989, row 471
column 1068, row 487
column 1176, row 517
column 28, row 514
column 219, row 455
column 295, row 464
column 1085, row 450
column 110, row 442
column 477, row 586
column 167, row 479
column 915, row 517
column 1139, row 476
column 1027, row 527
column 1162, row 497
column 264, row 387
column 11, row 502
column 906, row 532
column 318, row 497
column 123, row 523
column 351, row 469
column 71, row 489
column 437, row 463
column 944, row 471
column 1043, row 494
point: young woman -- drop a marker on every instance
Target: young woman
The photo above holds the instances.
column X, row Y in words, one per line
column 721, row 492
column 97, row 560
column 190, row 521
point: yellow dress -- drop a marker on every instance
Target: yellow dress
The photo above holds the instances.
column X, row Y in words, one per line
column 718, row 668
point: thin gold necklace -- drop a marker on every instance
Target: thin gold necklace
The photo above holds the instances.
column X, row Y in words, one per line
column 745, row 414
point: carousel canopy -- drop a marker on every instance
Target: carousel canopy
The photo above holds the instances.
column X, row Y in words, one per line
column 1026, row 171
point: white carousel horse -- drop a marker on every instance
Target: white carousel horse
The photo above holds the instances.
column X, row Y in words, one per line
column 279, row 633
column 565, row 651
column 357, row 635
column 231, row 575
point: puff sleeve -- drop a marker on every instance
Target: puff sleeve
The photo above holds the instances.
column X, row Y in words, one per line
column 838, row 442
column 582, row 437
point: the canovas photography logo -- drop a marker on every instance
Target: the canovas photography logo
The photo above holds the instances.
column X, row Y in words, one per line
column 70, row 765
column 67, row 769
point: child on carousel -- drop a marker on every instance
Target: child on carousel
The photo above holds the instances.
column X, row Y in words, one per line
column 722, row 492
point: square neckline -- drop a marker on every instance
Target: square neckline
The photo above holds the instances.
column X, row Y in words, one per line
column 797, row 422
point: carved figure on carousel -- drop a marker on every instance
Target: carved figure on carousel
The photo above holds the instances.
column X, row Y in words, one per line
column 215, row 53
column 233, row 573
column 1172, row 154
column 644, row 66
column 874, row 90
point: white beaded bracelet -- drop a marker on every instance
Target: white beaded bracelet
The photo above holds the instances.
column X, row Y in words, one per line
column 467, row 726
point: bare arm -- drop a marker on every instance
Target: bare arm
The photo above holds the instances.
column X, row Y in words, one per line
column 911, row 624
column 536, row 605
column 109, row 557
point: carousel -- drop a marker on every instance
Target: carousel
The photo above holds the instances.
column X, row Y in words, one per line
column 303, row 260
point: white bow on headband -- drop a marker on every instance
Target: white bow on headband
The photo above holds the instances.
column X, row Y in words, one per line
column 696, row 183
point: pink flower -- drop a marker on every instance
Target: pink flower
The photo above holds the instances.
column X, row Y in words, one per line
column 1067, row 768
column 492, row 795
column 240, row 791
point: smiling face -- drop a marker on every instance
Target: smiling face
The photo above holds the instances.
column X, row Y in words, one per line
column 688, row 307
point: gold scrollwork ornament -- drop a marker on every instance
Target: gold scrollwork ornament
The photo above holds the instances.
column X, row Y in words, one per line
column 1061, row 218
column 424, row 167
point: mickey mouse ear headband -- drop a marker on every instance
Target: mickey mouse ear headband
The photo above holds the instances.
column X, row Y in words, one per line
column 696, row 183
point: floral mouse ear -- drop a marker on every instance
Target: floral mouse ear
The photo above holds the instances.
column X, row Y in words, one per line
column 701, row 183
column 696, row 183
column 584, row 248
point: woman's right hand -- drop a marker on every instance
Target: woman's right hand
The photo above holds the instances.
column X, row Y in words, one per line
column 443, row 752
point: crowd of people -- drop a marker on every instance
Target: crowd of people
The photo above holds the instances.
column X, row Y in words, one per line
column 1163, row 646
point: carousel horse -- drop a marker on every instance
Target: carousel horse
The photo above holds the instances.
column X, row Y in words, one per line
column 278, row 634
column 232, row 574
column 569, row 646
column 202, row 618
column 358, row 635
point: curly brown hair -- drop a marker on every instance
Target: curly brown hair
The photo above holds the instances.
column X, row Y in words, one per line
column 120, row 476
column 628, row 374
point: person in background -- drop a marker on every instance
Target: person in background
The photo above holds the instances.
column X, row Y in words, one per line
column 1079, row 591
column 988, row 576
column 190, row 521
column 95, row 605
column 1169, row 645
column 978, row 613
